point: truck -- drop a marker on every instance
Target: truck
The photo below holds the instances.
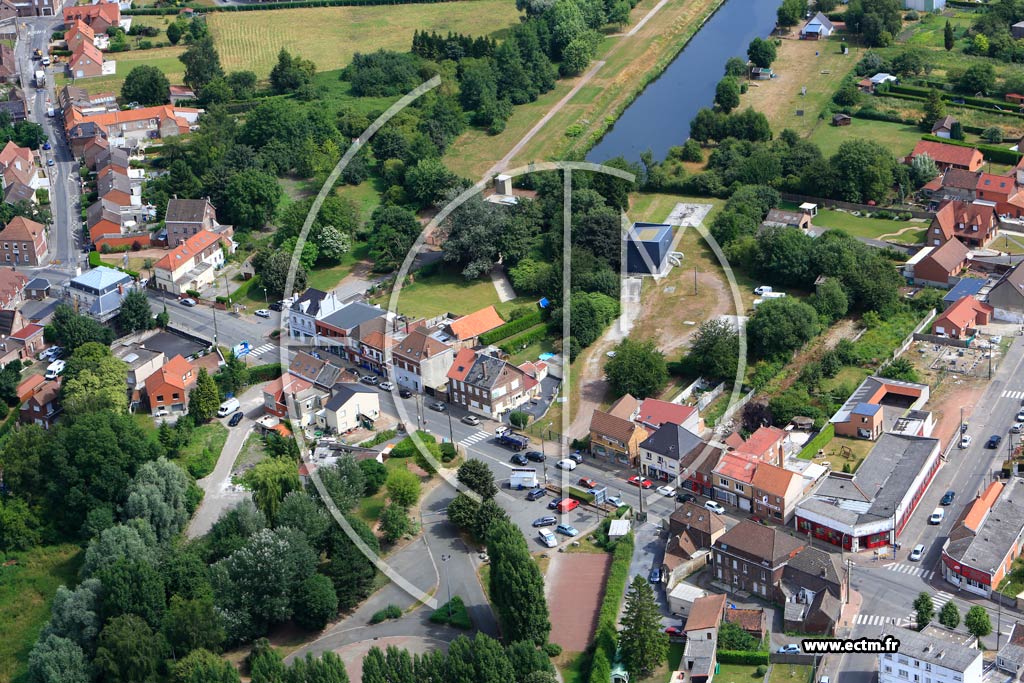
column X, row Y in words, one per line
column 514, row 441
column 40, row 78
column 522, row 478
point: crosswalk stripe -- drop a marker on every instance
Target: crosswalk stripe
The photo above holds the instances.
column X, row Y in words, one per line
column 877, row 620
column 474, row 438
column 1013, row 394
column 901, row 568
column 260, row 350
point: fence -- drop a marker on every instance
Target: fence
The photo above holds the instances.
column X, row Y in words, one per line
column 688, row 391
column 850, row 206
column 945, row 341
column 731, row 410
column 709, row 396
column 913, row 335
column 791, row 658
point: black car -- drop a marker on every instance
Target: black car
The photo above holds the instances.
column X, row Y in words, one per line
column 536, row 494
column 686, row 498
column 553, row 505
column 535, row 456
column 405, row 393
column 519, row 459
column 276, row 306
column 947, row 499
column 235, row 419
column 993, row 441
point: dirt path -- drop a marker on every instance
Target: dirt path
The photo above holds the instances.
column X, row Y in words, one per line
column 899, row 232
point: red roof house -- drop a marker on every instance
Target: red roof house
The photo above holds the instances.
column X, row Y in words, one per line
column 973, row 224
column 959, row 320
column 949, row 156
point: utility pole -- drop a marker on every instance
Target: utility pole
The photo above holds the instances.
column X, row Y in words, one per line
column 999, row 622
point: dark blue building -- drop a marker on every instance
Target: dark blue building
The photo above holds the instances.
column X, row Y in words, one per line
column 652, row 239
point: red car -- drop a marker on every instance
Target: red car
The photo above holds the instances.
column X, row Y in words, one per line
column 674, row 632
column 568, row 504
column 637, row 480
column 587, row 483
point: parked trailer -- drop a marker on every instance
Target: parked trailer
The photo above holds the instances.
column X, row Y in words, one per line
column 40, row 78
column 523, row 478
column 514, row 441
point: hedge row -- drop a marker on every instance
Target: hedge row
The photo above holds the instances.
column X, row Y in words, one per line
column 510, row 328
column 748, row 657
column 579, row 494
column 264, row 373
column 525, row 339
column 946, row 95
column 256, row 6
column 818, row 442
column 606, row 637
column 989, row 109
column 999, row 155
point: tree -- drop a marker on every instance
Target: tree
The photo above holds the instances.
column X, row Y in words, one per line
column 859, row 171
column 300, row 511
column 715, row 350
column 174, row 32
column 204, row 399
column 428, row 180
column 74, row 615
column 158, row 494
column 478, row 477
column 243, row 84
column 394, row 522
column 947, row 37
column 638, row 368
column 527, row 659
column 731, row 636
column 135, row 313
column 349, row 569
column 735, row 66
column 202, row 666
column 978, row 622
column 375, row 474
column 146, row 85
column 344, row 482
column 190, row 624
column 265, row 664
column 978, row 78
column 273, row 273
column 333, row 243
column 252, row 197
column 761, row 52
column 956, row 131
column 115, row 543
column 900, row 369
column 270, row 481
column 780, row 326
column 202, row 64
column 132, row 587
column 934, row 108
column 291, row 73
column 992, row 134
column 316, row 603
column 57, row 660
column 393, row 229
column 949, row 615
column 642, row 641
column 403, row 488
column 791, row 12
column 94, row 380
column 830, row 300
column 516, row 585
column 727, row 94
column 923, row 169
column 71, row 330
column 924, row 610
column 127, row 652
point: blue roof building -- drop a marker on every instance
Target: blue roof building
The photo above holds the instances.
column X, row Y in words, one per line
column 968, row 286
column 99, row 292
column 647, row 248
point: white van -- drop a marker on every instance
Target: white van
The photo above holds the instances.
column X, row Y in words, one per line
column 773, row 295
column 937, row 516
column 227, row 407
column 762, row 290
column 54, row 369
column 547, row 538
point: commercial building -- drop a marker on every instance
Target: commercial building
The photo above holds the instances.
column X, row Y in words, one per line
column 935, row 654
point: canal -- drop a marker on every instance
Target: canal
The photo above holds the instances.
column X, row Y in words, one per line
column 660, row 116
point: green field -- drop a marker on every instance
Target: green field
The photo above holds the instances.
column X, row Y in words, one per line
column 737, row 673
column 446, row 291
column 26, row 589
column 929, row 32
column 331, row 35
column 860, row 226
column 164, row 58
column 898, row 137
column 789, row 673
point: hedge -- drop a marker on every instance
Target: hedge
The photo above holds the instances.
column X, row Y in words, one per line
column 510, row 328
column 987, row 102
column 818, row 442
column 165, row 11
column 606, row 636
column 579, row 494
column 264, row 373
column 525, row 339
column 999, row 155
column 989, row 109
column 748, row 657
column 379, row 438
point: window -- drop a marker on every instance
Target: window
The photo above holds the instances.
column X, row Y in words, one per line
column 159, row 399
column 174, row 396
column 903, row 660
column 739, row 488
column 927, row 667
column 904, row 674
column 888, row 669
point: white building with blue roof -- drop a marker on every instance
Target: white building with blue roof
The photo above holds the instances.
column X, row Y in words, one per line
column 99, row 292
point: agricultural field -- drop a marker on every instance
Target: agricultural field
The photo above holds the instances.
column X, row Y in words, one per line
column 329, row 36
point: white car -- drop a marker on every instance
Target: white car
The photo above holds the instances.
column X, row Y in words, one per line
column 1020, row 416
column 547, row 538
column 1017, row 427
column 262, row 313
column 937, row 516
column 996, row 339
column 610, row 354
column 386, row 386
column 715, row 507
column 188, row 301
column 762, row 290
column 567, row 464
column 917, row 553
column 666, row 491
column 965, row 440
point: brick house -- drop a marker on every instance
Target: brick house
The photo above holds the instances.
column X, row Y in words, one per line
column 168, row 387
column 1003, row 191
column 733, row 479
column 192, row 265
column 776, row 492
column 960, row 320
column 80, row 32
column 653, row 413
column 973, row 223
column 949, row 156
column 41, row 405
column 702, row 526
column 99, row 16
column 751, row 557
column 23, row 242
column 862, row 416
column 766, row 444
column 186, row 217
column 614, row 436
column 941, row 265
column 421, row 361
column 12, row 285
column 86, row 61
column 466, row 330
column 488, row 386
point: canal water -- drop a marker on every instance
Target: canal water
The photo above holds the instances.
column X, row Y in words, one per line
column 660, row 116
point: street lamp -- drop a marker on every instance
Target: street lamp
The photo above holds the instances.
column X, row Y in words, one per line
column 265, row 299
column 444, row 562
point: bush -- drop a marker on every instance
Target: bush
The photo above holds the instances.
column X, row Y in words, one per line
column 510, row 328
column 552, row 649
column 761, row 670
column 379, row 438
column 606, row 637
column 43, row 195
column 519, row 419
column 448, row 451
column 389, row 612
column 201, row 464
column 264, row 373
column 453, row 613
column 525, row 339
column 748, row 657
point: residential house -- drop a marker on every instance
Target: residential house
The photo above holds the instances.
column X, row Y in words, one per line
column 421, row 361
column 99, row 16
column 192, row 265
column 304, row 312
column 699, row 660
column 30, row 339
column 960, row 321
column 975, row 224
column 488, row 386
column 320, row 372
column 37, row 289
column 465, row 330
column 181, row 93
column 943, row 127
column 42, row 404
column 942, row 265
column 766, row 444
column 812, row 592
column 1010, row 657
column 705, row 617
column 374, row 339
column 23, row 242
column 1002, row 192
column 927, row 655
column 295, row 398
column 167, row 389
column 696, row 470
column 86, row 62
column 876, row 403
column 986, row 539
column 752, row 621
column 131, row 127
column 186, row 217
column 776, row 492
column 12, row 286
column 953, row 184
column 29, row 8
column 10, row 320
column 817, row 28
column 72, row 97
column 1007, row 296
column 751, row 557
column 662, row 451
column 27, row 386
column 351, row 406
column 99, row 292
column 692, row 531
column 335, row 330
column 949, row 156
column 870, row 508
column 78, row 34
column 141, row 362
column 613, row 434
column 653, row 413
column 733, row 480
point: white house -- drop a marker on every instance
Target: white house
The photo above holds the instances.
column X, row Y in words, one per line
column 421, row 362
column 313, row 305
column 350, row 406
column 935, row 653
column 192, row 265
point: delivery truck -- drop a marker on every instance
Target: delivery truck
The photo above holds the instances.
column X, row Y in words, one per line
column 522, row 478
column 40, row 78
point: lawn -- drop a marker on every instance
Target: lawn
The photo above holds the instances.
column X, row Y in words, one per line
column 862, row 226
column 532, row 351
column 930, row 31
column 898, row 137
column 199, row 457
column 842, row 451
column 164, row 58
column 447, row 290
column 329, row 36
column 789, row 673
column 26, row 590
column 736, row 673
column 328, row 278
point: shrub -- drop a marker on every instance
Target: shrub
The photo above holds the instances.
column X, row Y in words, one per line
column 761, row 670
column 453, row 613
column 201, row 464
column 379, row 438
column 389, row 612
column 748, row 657
column 552, row 649
column 510, row 328
column 518, row 418
column 525, row 339
column 448, row 452
column 264, row 373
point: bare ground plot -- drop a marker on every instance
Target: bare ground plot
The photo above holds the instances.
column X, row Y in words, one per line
column 575, row 587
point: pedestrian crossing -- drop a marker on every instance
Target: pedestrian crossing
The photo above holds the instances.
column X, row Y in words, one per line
column 878, row 620
column 1013, row 394
column 910, row 569
column 475, row 438
column 260, row 350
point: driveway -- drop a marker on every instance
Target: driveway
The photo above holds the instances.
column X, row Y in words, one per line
column 219, row 493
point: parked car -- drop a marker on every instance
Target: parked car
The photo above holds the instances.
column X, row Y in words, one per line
column 46, row 146
column 369, row 379
column 577, row 456
column 536, row 494
column 386, row 386
column 544, row 521
column 262, row 313
column 1016, row 427
column 471, row 420
column 277, row 306
column 587, row 483
column 654, row 576
column 568, row 505
column 50, row 162
column 947, row 498
column 1020, row 416
column 686, row 498
column 235, row 419
column 965, row 440
column 405, row 393
column 674, row 632
column 519, row 459
column 790, row 649
column 715, row 507
column 548, row 538
column 567, row 529
column 637, row 480
column 54, row 369
column 554, row 504
column 188, row 301
column 614, row 500
column 937, row 515
column 438, row 406
column 666, row 491
column 566, row 464
column 993, row 441
column 917, row 553
column 610, row 354
column 763, row 289
column 535, row 456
